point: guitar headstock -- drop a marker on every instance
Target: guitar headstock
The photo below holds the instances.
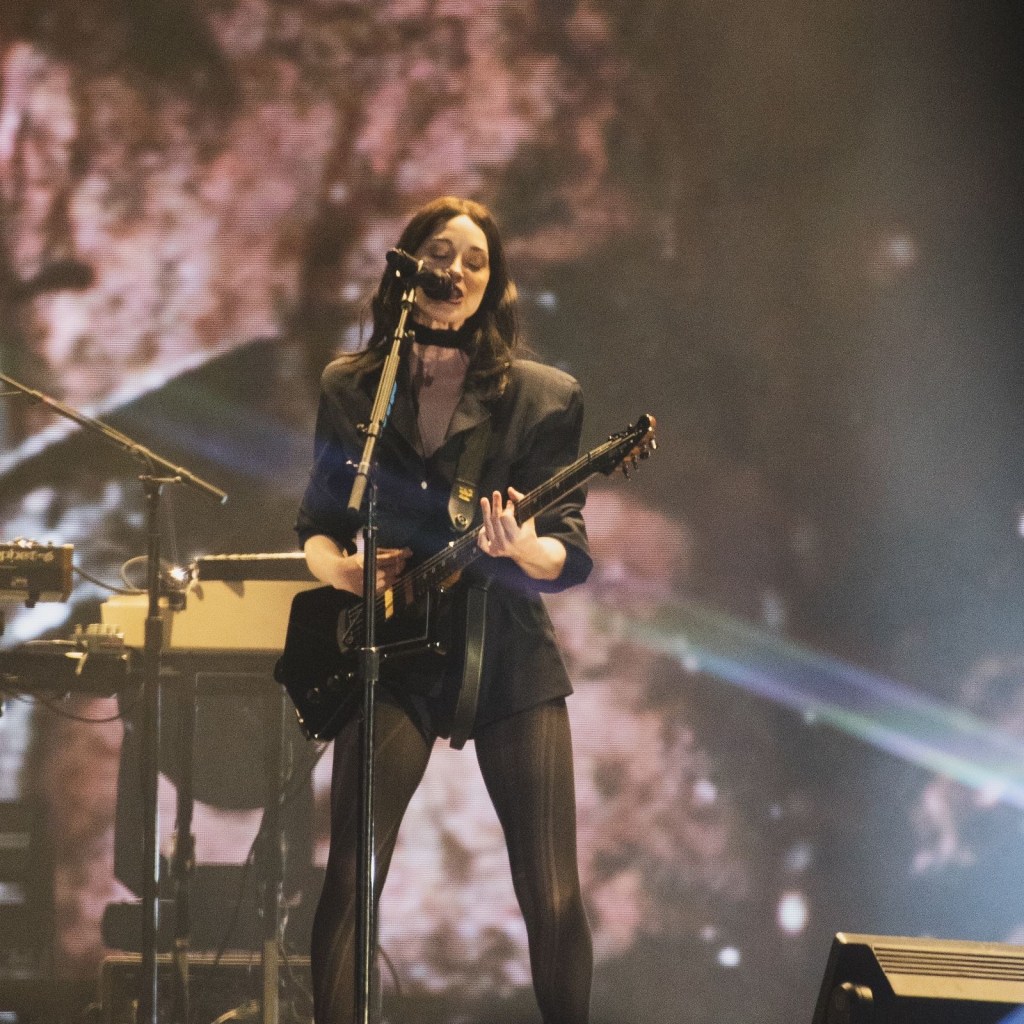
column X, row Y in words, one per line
column 629, row 447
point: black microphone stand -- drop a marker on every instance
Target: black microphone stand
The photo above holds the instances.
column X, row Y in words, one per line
column 404, row 267
column 158, row 472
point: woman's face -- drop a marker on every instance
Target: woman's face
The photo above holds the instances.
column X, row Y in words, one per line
column 459, row 248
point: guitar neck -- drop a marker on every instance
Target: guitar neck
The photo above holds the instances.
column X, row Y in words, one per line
column 562, row 483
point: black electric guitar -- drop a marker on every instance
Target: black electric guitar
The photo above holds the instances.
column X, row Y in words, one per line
column 321, row 662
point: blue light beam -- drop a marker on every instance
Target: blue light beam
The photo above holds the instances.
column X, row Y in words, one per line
column 892, row 717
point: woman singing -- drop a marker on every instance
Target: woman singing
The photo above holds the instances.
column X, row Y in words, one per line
column 461, row 371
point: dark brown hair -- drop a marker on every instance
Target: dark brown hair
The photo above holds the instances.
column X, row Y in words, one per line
column 493, row 329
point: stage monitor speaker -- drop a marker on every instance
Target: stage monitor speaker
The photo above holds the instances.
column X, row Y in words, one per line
column 883, row 979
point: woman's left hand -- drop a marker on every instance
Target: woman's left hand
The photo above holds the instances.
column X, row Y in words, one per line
column 502, row 537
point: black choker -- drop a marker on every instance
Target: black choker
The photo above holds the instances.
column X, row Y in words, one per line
column 442, row 337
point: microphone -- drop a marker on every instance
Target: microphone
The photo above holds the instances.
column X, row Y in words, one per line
column 435, row 284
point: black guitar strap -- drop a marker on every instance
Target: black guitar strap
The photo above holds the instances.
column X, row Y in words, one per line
column 462, row 500
column 462, row 511
column 472, row 666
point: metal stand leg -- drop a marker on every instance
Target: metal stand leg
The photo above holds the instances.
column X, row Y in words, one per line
column 273, row 877
column 148, row 992
column 184, row 848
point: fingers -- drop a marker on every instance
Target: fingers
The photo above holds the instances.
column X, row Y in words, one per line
column 500, row 531
column 393, row 556
column 349, row 570
column 390, row 565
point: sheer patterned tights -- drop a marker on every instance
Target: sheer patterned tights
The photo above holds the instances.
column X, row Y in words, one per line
column 526, row 763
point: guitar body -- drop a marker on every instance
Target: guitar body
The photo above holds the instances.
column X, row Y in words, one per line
column 320, row 667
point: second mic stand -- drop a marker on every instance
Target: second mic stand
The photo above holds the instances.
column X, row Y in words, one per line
column 366, row 910
column 158, row 472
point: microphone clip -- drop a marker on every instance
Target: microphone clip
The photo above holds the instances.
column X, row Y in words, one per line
column 435, row 284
